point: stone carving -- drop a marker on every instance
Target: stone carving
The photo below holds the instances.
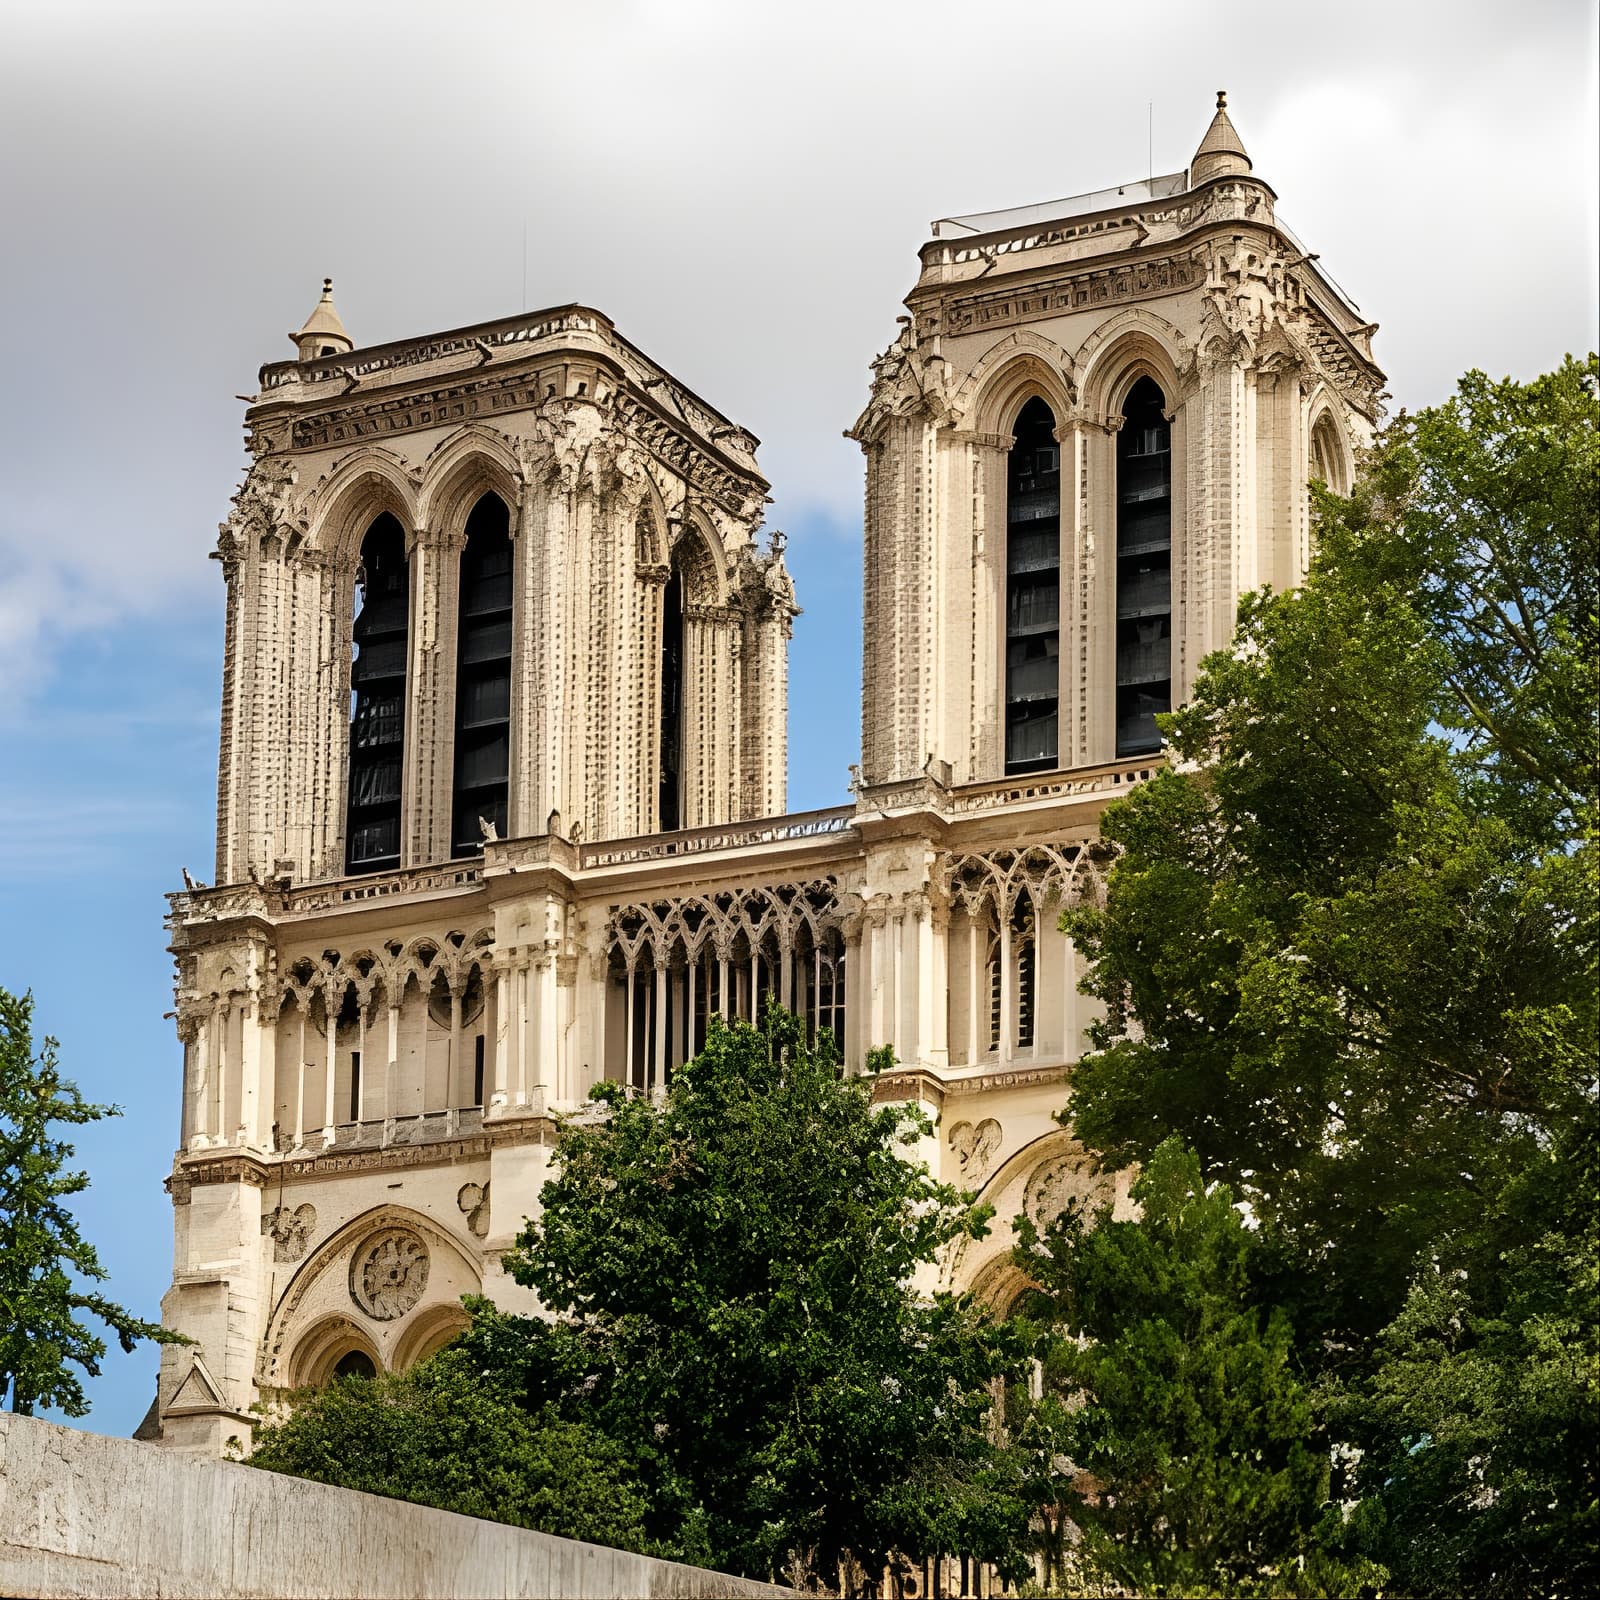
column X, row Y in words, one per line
column 975, row 1148
column 389, row 1273
column 473, row 1201
column 1056, row 1182
column 290, row 1230
column 262, row 506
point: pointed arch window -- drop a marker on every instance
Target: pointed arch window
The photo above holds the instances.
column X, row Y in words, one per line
column 1144, row 569
column 380, row 635
column 1327, row 458
column 1033, row 592
column 481, row 791
column 669, row 788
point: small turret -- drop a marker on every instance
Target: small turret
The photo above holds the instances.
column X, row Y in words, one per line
column 1221, row 153
column 323, row 334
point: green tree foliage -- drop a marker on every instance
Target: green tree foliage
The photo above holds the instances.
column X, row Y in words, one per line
column 45, row 1263
column 1349, row 958
column 445, row 1434
column 1173, row 1427
column 731, row 1273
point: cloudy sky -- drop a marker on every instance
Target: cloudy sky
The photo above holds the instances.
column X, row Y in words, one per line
column 742, row 188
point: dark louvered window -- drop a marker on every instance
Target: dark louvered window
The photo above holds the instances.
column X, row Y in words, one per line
column 1144, row 569
column 378, row 700
column 483, row 679
column 1033, row 593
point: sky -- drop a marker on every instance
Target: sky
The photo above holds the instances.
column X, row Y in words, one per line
column 742, row 188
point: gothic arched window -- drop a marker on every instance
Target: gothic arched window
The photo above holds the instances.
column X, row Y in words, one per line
column 483, row 679
column 378, row 700
column 1144, row 569
column 1327, row 457
column 669, row 787
column 354, row 1364
column 1033, row 592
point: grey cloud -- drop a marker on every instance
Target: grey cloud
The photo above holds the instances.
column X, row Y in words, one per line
column 743, row 188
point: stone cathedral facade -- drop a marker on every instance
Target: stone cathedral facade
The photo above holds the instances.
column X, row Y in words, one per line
column 501, row 800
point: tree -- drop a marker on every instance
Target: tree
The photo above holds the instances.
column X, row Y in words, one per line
column 445, row 1434
column 1348, row 955
column 1173, row 1424
column 731, row 1273
column 44, row 1260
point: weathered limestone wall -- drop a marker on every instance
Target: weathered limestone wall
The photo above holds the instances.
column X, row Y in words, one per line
column 82, row 1514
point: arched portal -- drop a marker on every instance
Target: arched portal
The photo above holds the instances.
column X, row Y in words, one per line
column 381, row 636
column 483, row 679
column 1144, row 568
column 1033, row 592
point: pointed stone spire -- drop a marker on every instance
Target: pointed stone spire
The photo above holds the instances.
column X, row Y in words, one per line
column 323, row 334
column 1222, row 151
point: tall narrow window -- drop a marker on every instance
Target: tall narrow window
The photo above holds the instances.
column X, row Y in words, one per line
column 1144, row 569
column 483, row 679
column 669, row 803
column 1033, row 592
column 1022, row 945
column 378, row 700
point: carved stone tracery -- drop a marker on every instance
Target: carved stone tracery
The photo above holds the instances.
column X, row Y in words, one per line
column 389, row 1273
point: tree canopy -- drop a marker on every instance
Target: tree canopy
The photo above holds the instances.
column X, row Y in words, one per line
column 47, row 1268
column 747, row 1374
column 731, row 1271
column 446, row 1434
column 1348, row 957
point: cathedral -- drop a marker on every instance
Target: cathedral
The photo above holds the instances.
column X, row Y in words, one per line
column 501, row 790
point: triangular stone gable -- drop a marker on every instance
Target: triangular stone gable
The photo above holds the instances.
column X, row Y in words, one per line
column 197, row 1392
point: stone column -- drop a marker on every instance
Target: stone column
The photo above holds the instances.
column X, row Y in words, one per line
column 430, row 695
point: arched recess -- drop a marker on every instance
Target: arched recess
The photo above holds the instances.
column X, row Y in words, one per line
column 1022, row 365
column 320, row 1293
column 480, row 789
column 1033, row 685
column 472, row 462
column 1036, row 1178
column 1131, row 370
column 380, row 638
column 699, row 553
column 367, row 482
column 1124, row 348
column 694, row 655
column 430, row 1331
column 1144, row 523
column 326, row 1346
column 1331, row 458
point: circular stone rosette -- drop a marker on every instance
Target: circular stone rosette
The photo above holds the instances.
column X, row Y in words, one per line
column 389, row 1273
column 1055, row 1182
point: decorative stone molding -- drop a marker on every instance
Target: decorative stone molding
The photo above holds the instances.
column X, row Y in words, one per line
column 290, row 1229
column 472, row 1201
column 389, row 1273
column 975, row 1148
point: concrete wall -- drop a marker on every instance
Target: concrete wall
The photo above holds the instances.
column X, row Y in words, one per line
column 82, row 1514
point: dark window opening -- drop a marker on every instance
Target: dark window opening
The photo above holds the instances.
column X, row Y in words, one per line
column 1033, row 593
column 477, row 1070
column 483, row 680
column 380, row 636
column 1023, row 941
column 669, row 804
column 355, row 1085
column 1144, row 569
column 355, row 1364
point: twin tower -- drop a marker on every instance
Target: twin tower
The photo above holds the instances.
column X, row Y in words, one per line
column 501, row 790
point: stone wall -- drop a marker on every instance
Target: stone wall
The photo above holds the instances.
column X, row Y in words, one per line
column 83, row 1514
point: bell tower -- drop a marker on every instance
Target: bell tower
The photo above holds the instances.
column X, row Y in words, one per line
column 483, row 580
column 1092, row 434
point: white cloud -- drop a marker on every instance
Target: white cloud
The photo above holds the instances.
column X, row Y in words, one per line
column 742, row 187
